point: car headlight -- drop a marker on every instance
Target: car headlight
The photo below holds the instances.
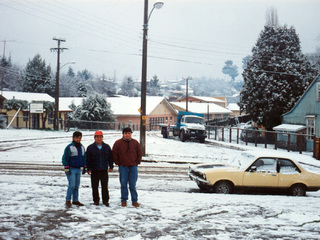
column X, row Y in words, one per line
column 204, row 176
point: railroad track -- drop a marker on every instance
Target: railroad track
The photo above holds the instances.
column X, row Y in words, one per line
column 146, row 170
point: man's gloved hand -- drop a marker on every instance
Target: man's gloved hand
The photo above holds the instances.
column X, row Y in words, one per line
column 84, row 170
column 67, row 169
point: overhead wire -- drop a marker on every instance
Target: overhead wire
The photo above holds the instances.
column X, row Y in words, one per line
column 160, row 48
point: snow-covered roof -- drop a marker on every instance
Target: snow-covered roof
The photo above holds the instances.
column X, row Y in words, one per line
column 202, row 107
column 233, row 107
column 208, row 99
column 119, row 105
column 289, row 127
column 27, row 96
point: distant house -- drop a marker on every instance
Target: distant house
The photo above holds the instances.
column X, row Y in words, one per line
column 234, row 108
column 197, row 99
column 25, row 119
column 210, row 110
column 304, row 117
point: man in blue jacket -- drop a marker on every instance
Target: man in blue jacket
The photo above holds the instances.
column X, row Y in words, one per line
column 73, row 159
column 99, row 156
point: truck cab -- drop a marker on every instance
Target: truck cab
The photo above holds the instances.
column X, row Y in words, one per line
column 191, row 127
column 188, row 126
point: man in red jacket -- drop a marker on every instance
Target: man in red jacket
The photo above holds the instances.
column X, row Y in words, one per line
column 127, row 154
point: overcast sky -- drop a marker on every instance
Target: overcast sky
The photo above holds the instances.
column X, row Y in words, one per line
column 186, row 37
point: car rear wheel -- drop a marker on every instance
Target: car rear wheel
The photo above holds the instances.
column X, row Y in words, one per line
column 298, row 190
column 223, row 187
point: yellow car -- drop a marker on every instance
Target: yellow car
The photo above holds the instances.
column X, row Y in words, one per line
column 264, row 173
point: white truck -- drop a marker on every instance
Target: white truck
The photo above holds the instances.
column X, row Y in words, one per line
column 189, row 126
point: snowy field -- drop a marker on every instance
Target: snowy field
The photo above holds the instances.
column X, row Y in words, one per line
column 32, row 206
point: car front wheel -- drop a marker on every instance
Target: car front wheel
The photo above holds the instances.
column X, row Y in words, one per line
column 223, row 187
column 298, row 190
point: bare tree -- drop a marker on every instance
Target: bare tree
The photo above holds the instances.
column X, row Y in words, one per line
column 272, row 17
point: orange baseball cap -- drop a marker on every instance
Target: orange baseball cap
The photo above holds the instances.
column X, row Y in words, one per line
column 98, row 133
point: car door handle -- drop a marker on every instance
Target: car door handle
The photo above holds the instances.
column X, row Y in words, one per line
column 273, row 174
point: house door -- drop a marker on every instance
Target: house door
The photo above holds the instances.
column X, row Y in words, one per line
column 35, row 121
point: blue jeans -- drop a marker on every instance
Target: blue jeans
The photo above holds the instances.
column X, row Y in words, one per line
column 128, row 175
column 74, row 183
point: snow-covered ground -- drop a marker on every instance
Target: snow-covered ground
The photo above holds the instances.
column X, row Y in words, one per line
column 32, row 206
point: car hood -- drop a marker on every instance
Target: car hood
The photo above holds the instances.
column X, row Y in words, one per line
column 205, row 168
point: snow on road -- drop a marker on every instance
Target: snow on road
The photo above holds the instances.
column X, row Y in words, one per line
column 32, row 207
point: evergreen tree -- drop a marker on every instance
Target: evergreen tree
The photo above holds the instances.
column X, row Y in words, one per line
column 154, row 87
column 276, row 75
column 82, row 90
column 93, row 108
column 315, row 59
column 38, row 77
column 127, row 87
column 71, row 73
column 10, row 75
column 245, row 60
column 5, row 65
column 85, row 75
column 230, row 69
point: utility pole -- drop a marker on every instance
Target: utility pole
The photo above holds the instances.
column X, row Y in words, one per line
column 56, row 111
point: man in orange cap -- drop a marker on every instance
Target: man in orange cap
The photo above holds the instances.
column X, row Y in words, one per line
column 99, row 160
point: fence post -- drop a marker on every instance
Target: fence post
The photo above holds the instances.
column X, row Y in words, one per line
column 237, row 135
column 230, row 135
column 222, row 134
column 255, row 138
column 265, row 139
column 275, row 140
column 215, row 133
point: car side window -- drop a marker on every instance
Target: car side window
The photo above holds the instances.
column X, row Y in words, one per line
column 287, row 166
column 264, row 165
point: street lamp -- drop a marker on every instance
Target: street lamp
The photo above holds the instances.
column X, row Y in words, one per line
column 143, row 116
column 72, row 62
column 56, row 112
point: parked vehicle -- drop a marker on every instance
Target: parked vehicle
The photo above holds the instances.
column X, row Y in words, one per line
column 263, row 174
column 250, row 134
column 189, row 126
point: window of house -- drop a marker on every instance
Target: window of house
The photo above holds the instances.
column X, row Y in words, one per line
column 310, row 126
column 217, row 116
column 170, row 118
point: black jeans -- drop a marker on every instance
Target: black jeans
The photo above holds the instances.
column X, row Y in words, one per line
column 96, row 177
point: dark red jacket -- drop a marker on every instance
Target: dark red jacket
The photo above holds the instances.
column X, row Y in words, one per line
column 127, row 153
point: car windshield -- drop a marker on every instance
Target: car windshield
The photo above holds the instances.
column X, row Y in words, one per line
column 194, row 120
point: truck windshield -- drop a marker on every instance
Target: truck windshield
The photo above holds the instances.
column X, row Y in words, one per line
column 194, row 120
